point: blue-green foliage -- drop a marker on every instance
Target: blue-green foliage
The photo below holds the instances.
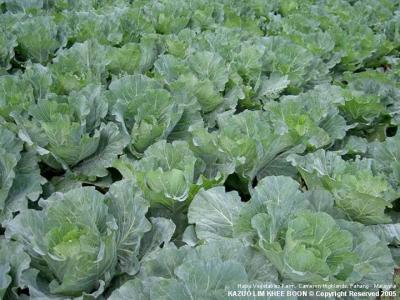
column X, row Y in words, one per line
column 171, row 149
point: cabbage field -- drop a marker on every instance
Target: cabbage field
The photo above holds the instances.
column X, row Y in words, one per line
column 199, row 149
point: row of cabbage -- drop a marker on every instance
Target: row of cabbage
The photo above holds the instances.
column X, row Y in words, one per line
column 133, row 132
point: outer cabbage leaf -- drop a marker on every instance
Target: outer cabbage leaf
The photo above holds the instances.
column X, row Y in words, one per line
column 185, row 272
column 133, row 58
column 353, row 145
column 386, row 157
column 206, row 14
column 202, row 91
column 300, row 65
column 163, row 261
column 63, row 134
column 375, row 264
column 214, row 212
column 277, row 196
column 304, row 29
column 40, row 79
column 146, row 111
column 61, row 184
column 27, row 185
column 70, row 135
column 387, row 232
column 125, row 59
column 248, row 64
column 86, row 25
column 160, row 234
column 8, row 161
column 249, row 140
column 358, row 42
column 222, row 40
column 13, row 262
column 132, row 289
column 20, row 177
column 78, row 5
column 38, row 38
column 205, row 279
column 190, row 120
column 166, row 179
column 38, row 288
column 311, row 118
column 316, row 249
column 211, row 66
column 26, row 6
column 16, row 96
column 128, row 208
column 170, row 67
column 111, row 144
column 362, row 108
column 8, row 41
column 198, row 82
column 247, row 256
column 271, row 87
column 134, row 23
column 370, row 95
column 82, row 64
column 361, row 194
column 205, row 145
column 168, row 17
